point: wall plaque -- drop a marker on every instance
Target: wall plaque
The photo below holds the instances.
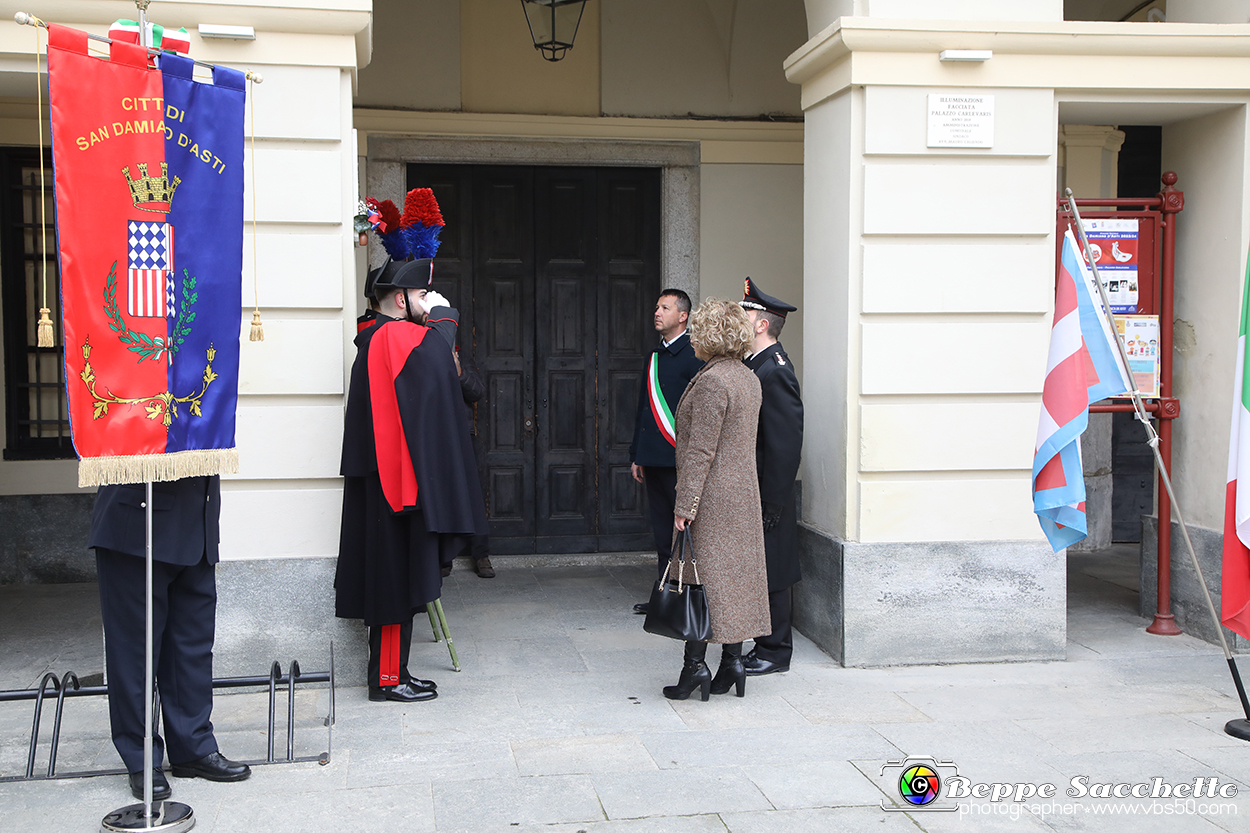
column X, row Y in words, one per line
column 961, row 121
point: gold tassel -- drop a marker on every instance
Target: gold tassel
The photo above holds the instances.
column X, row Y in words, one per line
column 44, row 331
column 258, row 329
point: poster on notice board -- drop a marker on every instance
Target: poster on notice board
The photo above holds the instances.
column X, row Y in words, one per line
column 1141, row 338
column 1113, row 244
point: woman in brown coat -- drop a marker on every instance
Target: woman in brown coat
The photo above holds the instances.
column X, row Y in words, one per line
column 718, row 496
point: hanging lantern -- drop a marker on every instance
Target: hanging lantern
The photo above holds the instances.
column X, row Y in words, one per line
column 553, row 25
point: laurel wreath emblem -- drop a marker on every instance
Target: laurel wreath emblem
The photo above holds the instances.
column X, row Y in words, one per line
column 161, row 406
column 146, row 346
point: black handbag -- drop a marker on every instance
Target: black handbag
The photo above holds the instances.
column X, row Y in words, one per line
column 676, row 610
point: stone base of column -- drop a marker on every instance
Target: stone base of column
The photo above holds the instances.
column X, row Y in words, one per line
column 1188, row 606
column 924, row 603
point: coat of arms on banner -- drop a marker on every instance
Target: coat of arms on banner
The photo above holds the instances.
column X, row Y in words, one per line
column 150, row 294
column 151, row 260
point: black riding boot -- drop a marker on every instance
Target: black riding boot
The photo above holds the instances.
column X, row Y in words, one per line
column 731, row 672
column 694, row 674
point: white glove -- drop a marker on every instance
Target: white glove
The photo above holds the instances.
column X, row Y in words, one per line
column 431, row 300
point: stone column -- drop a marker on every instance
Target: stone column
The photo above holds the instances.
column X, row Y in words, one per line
column 932, row 269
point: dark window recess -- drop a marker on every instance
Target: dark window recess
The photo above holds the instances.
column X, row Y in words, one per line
column 1140, row 162
column 36, row 419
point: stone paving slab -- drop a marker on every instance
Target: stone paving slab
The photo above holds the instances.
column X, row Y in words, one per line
column 678, row 792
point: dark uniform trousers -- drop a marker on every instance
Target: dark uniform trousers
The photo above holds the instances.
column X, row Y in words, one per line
column 778, row 646
column 184, row 609
column 374, row 669
column 661, row 501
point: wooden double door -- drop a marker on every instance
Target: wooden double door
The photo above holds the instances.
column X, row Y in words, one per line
column 555, row 272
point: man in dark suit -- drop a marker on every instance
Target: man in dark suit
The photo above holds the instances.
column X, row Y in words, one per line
column 652, row 455
column 185, row 515
column 778, row 445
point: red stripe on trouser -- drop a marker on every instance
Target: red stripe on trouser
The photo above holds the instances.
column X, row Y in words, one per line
column 388, row 656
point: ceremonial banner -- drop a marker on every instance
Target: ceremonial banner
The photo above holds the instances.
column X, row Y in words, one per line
column 143, row 158
column 1084, row 366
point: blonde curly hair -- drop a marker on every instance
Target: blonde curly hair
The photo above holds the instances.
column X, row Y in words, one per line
column 720, row 328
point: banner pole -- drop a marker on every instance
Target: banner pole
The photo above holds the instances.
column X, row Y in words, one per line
column 1236, row 728
column 174, row 816
column 147, row 557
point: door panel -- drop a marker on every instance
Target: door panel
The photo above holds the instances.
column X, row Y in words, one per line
column 555, row 271
column 629, row 265
column 566, row 280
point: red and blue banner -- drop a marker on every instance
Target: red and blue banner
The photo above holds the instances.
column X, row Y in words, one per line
column 143, row 156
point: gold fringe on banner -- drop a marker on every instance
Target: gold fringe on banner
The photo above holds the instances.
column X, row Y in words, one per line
column 140, row 468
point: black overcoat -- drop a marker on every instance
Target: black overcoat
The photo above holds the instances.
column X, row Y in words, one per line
column 778, row 447
column 389, row 560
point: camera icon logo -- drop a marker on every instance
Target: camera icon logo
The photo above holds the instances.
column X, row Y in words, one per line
column 919, row 781
column 919, row 784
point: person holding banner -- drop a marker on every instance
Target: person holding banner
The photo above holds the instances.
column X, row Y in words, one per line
column 411, row 495
column 184, row 551
column 652, row 456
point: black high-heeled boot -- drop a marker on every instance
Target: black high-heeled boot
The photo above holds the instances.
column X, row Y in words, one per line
column 731, row 672
column 694, row 674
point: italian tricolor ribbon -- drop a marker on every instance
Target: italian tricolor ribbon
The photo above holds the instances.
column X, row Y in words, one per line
column 659, row 408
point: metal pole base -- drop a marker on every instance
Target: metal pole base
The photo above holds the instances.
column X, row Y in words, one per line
column 1239, row 728
column 1164, row 625
column 167, row 817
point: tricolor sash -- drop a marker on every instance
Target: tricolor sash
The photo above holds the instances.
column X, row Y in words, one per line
column 659, row 407
column 151, row 329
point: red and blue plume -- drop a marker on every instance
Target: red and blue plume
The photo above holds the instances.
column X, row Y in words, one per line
column 386, row 221
column 414, row 233
column 421, row 224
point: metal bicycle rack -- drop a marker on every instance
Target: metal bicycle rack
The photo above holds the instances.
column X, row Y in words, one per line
column 68, row 687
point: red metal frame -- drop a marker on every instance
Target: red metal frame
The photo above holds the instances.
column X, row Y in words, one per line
column 1156, row 215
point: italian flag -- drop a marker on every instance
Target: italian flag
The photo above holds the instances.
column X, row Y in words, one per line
column 1235, row 584
column 159, row 37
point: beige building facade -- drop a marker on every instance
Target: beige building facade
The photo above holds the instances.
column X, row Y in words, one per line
column 791, row 145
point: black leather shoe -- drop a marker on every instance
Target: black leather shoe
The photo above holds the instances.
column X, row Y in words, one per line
column 405, row 692
column 642, row 607
column 160, row 786
column 483, row 567
column 756, row 667
column 416, row 683
column 213, row 767
column 730, row 674
column 694, row 674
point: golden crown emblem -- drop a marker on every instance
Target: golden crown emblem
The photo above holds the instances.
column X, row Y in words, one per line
column 151, row 193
